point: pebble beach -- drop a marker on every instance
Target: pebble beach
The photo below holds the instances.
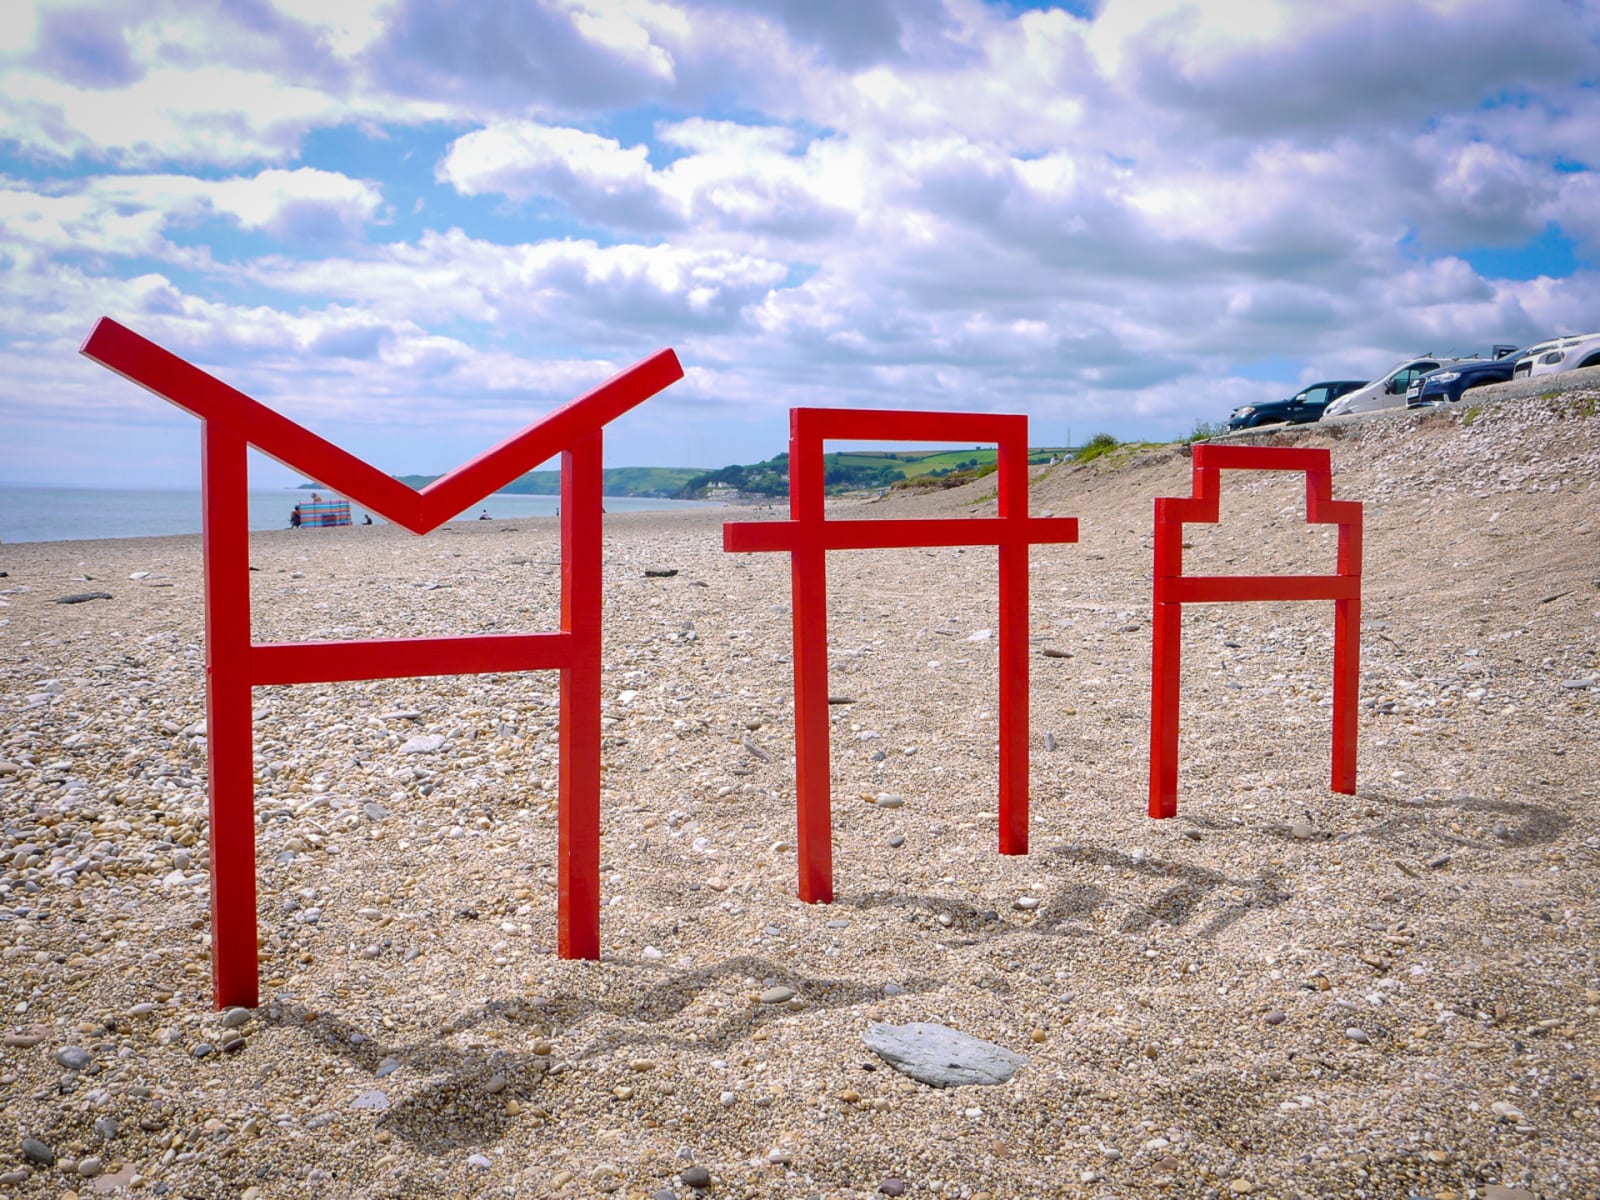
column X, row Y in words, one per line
column 1282, row 992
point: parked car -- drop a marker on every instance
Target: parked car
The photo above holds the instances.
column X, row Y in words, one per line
column 1564, row 354
column 1388, row 391
column 1300, row 409
column 1446, row 385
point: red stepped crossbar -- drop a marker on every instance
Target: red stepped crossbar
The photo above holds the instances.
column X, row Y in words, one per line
column 807, row 536
column 1173, row 589
column 231, row 422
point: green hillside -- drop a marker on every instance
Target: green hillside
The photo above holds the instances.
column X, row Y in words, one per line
column 659, row 482
column 856, row 470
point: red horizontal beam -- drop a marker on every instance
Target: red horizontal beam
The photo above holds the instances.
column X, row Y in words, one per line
column 407, row 658
column 751, row 536
column 883, row 424
column 1211, row 589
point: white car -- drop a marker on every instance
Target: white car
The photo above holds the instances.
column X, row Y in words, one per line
column 1564, row 354
column 1387, row 391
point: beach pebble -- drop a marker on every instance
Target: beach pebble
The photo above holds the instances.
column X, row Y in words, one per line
column 106, row 1128
column 777, row 995
column 235, row 1017
column 481, row 1161
column 73, row 1058
column 37, row 1152
column 892, row 1187
column 372, row 1101
column 1025, row 903
column 89, row 1167
column 1302, row 830
column 82, row 597
column 897, row 841
column 695, row 1177
column 375, row 812
column 940, row 1056
column 424, row 743
column 1357, row 1034
column 1276, row 1018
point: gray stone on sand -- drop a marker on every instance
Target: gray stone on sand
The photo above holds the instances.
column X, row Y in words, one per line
column 423, row 743
column 940, row 1056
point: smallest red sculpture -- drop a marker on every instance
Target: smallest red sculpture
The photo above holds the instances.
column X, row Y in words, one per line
column 1173, row 589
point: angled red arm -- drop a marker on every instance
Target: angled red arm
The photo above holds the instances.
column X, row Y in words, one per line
column 140, row 360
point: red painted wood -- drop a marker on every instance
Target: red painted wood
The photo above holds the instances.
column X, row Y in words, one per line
column 233, row 421
column 756, row 536
column 578, row 852
column 1215, row 589
column 230, row 744
column 1173, row 589
column 406, row 658
column 807, row 537
column 143, row 362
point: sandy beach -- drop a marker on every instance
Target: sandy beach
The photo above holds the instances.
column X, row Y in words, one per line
column 1282, row 992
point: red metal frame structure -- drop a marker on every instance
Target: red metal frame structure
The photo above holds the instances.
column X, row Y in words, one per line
column 231, row 422
column 807, row 536
column 1173, row 589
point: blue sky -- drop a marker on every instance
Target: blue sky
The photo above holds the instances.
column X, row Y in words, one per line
column 415, row 226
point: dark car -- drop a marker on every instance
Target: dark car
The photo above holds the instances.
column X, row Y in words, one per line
column 1298, row 409
column 1445, row 385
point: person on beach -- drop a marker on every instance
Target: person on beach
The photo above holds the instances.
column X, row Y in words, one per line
column 366, row 518
column 484, row 516
column 294, row 517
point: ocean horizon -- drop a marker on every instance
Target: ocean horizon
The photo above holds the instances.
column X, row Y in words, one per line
column 34, row 513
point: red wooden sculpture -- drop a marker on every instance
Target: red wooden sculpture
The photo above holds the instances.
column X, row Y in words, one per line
column 1173, row 589
column 807, row 536
column 232, row 421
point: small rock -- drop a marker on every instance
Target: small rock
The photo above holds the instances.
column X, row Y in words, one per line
column 1026, row 903
column 841, row 699
column 36, row 1151
column 777, row 995
column 375, row 812
column 81, row 597
column 106, row 1128
column 73, row 1058
column 1276, row 1018
column 1442, row 861
column 495, row 1084
column 663, row 1194
column 892, row 1187
column 481, row 1161
column 424, row 743
column 389, row 1066
column 940, row 1056
column 1302, row 830
column 235, row 1017
column 695, row 1177
column 888, row 800
column 660, row 572
column 1499, row 1191
column 897, row 841
column 1357, row 1034
column 89, row 1167
column 203, row 1049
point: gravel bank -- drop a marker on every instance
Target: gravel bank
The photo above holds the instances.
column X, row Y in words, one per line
column 1282, row 992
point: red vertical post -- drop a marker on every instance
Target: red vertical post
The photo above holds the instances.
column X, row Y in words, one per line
column 1167, row 640
column 1012, row 472
column 1166, row 662
column 813, row 775
column 1346, row 692
column 578, row 867
column 230, row 745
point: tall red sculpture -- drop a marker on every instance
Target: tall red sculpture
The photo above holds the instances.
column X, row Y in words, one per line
column 807, row 536
column 231, row 422
column 1174, row 589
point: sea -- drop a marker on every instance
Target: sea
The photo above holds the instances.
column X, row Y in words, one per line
column 52, row 514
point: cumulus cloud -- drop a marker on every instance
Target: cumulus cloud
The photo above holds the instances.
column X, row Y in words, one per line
column 1117, row 213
